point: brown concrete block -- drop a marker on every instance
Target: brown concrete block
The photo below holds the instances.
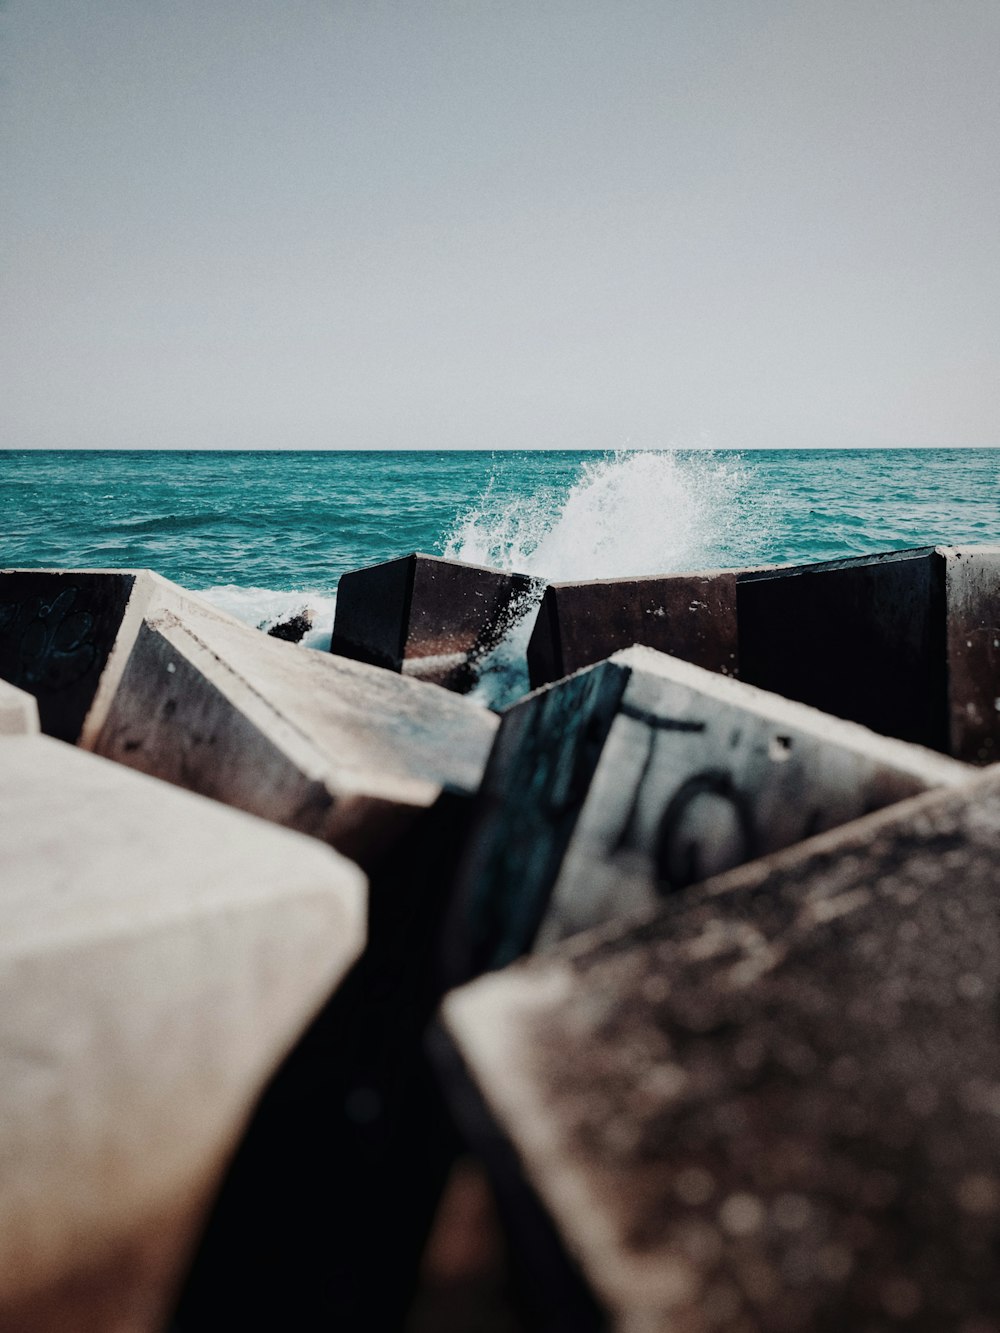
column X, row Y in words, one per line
column 160, row 954
column 426, row 617
column 630, row 780
column 773, row 1104
column 179, row 690
column 905, row 643
column 692, row 616
column 972, row 648
column 18, row 712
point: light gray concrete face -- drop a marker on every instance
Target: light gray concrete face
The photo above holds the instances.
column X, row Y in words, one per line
column 159, row 954
column 905, row 643
column 774, row 1104
column 645, row 774
column 18, row 712
column 334, row 748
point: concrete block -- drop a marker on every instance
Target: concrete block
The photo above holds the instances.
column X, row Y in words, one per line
column 772, row 1104
column 18, row 712
column 155, row 678
column 907, row 643
column 638, row 777
column 426, row 617
column 160, row 954
column 692, row 616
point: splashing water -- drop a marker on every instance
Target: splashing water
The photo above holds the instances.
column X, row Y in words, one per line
column 628, row 513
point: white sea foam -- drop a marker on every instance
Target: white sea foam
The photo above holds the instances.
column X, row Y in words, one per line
column 264, row 607
column 628, row 513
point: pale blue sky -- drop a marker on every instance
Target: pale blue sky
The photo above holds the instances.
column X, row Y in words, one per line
column 467, row 223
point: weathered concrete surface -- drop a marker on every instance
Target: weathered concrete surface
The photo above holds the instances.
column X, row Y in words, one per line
column 18, row 712
column 427, row 617
column 326, row 746
column 905, row 643
column 637, row 777
column 692, row 616
column 774, row 1104
column 159, row 955
column 972, row 647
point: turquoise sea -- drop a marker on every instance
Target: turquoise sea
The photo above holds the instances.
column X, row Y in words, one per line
column 264, row 534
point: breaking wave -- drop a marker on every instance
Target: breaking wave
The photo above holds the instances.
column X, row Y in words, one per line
column 628, row 513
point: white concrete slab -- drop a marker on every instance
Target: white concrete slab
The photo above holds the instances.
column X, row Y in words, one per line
column 158, row 955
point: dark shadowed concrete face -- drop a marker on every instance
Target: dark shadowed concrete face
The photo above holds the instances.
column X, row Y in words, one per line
column 692, row 616
column 906, row 643
column 56, row 632
column 638, row 777
column 775, row 1105
column 426, row 617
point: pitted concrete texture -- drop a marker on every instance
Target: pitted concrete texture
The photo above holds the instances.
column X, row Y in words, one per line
column 18, row 712
column 427, row 617
column 907, row 642
column 692, row 616
column 776, row 1103
column 333, row 748
column 159, row 955
column 635, row 778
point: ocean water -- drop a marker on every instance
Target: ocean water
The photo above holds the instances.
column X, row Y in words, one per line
column 267, row 534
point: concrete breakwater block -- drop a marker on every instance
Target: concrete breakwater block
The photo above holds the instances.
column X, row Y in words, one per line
column 138, row 670
column 426, row 617
column 18, row 712
column 907, row 643
column 159, row 953
column 617, row 786
column 692, row 616
column 773, row 1104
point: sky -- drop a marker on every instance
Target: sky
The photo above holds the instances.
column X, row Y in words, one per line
column 499, row 224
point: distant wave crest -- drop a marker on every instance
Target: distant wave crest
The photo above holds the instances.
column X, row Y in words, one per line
column 169, row 523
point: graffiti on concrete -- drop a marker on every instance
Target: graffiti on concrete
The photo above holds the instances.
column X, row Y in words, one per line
column 49, row 643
